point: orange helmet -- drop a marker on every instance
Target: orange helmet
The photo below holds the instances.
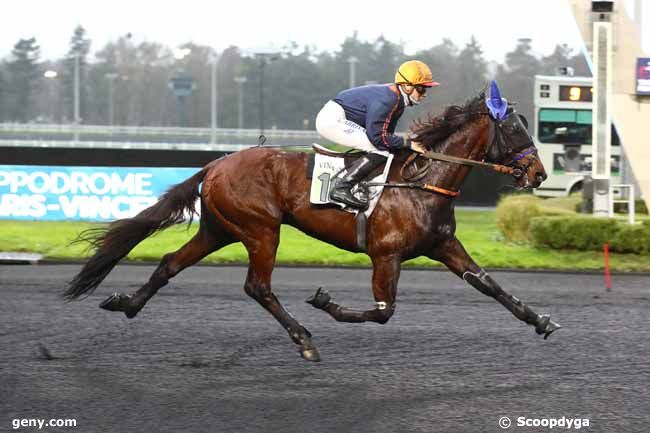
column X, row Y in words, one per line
column 415, row 72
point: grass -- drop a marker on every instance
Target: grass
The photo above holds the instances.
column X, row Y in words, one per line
column 476, row 229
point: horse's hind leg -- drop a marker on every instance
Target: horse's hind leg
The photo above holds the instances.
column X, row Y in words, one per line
column 262, row 247
column 385, row 275
column 203, row 243
column 454, row 256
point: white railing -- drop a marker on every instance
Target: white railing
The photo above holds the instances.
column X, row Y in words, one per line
column 151, row 130
column 147, row 137
column 123, row 145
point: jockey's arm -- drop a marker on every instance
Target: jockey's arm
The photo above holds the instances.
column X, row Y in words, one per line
column 378, row 120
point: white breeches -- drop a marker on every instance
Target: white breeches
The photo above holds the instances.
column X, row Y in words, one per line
column 332, row 124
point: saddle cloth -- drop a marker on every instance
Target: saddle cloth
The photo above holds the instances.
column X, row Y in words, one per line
column 327, row 168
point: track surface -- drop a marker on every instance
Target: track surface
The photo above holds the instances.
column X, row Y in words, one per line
column 203, row 357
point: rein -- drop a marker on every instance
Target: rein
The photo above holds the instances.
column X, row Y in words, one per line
column 414, row 185
column 504, row 169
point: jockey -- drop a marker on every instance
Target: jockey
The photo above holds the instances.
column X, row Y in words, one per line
column 365, row 118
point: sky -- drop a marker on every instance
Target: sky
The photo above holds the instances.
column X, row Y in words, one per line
column 258, row 24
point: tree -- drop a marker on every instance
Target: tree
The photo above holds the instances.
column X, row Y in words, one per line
column 151, row 99
column 230, row 66
column 24, row 79
column 472, row 69
column 559, row 58
column 296, row 90
column 79, row 47
column 385, row 59
column 133, row 80
column 443, row 61
column 579, row 65
column 517, row 77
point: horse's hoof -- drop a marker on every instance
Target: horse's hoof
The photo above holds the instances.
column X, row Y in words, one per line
column 119, row 302
column 115, row 302
column 310, row 354
column 546, row 326
column 320, row 299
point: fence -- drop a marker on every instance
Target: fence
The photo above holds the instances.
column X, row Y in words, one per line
column 146, row 137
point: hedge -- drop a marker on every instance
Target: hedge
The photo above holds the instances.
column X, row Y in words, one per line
column 515, row 212
column 589, row 233
column 632, row 239
column 576, row 232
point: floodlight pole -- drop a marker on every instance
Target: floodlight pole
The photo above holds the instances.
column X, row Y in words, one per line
column 262, row 63
column 240, row 109
column 111, row 77
column 213, row 100
column 263, row 57
column 76, row 95
column 353, row 71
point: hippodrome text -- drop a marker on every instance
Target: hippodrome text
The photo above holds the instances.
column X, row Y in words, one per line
column 97, row 193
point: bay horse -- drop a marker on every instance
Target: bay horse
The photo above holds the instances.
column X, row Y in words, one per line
column 246, row 197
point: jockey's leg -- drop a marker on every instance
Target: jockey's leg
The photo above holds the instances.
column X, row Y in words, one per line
column 454, row 256
column 332, row 124
column 385, row 275
column 362, row 167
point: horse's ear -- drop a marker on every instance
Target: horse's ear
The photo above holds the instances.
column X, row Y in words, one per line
column 484, row 90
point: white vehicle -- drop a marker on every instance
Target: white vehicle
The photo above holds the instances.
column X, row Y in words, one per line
column 563, row 117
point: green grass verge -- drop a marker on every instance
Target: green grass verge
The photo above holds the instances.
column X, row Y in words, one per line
column 476, row 229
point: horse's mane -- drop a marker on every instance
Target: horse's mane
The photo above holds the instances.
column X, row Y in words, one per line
column 435, row 130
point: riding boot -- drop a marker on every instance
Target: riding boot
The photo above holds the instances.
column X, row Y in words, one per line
column 355, row 173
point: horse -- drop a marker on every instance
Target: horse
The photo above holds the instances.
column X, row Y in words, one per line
column 246, row 196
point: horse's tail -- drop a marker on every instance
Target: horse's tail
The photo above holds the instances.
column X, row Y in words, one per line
column 114, row 242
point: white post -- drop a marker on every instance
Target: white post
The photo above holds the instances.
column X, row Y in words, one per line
column 631, row 210
column 602, row 119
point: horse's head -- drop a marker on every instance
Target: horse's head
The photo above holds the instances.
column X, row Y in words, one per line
column 510, row 143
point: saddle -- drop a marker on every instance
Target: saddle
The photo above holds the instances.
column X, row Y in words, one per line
column 325, row 165
column 349, row 157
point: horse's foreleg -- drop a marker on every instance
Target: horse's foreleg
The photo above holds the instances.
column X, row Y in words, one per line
column 203, row 243
column 454, row 256
column 261, row 252
column 384, row 287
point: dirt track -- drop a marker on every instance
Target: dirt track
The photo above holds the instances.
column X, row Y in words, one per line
column 202, row 357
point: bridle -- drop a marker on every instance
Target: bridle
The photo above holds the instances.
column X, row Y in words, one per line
column 505, row 145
